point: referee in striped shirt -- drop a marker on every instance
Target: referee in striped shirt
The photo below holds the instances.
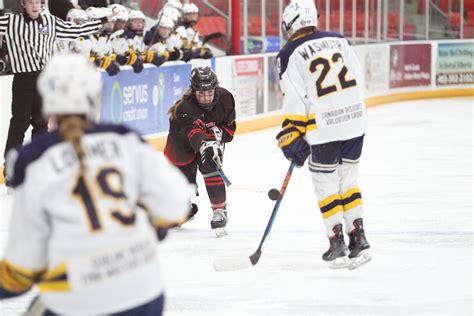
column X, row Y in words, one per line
column 30, row 38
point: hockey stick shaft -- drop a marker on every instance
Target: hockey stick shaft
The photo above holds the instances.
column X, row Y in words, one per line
column 256, row 255
column 237, row 263
column 155, row 32
column 221, row 172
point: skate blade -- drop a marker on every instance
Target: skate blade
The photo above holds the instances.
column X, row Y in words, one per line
column 220, row 232
column 363, row 258
column 340, row 263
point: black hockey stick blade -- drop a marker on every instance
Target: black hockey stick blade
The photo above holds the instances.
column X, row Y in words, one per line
column 226, row 264
column 211, row 37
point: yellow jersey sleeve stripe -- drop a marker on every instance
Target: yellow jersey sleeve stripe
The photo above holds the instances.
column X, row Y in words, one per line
column 58, row 271
column 58, row 286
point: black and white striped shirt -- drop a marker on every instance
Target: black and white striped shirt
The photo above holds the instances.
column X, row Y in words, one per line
column 30, row 42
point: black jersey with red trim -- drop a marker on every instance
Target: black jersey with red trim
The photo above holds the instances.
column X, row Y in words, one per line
column 193, row 124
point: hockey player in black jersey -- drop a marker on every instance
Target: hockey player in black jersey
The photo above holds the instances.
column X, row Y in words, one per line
column 201, row 122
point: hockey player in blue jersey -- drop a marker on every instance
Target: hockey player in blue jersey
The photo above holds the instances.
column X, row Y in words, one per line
column 76, row 231
column 324, row 118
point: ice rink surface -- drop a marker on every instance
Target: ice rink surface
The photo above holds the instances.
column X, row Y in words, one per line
column 416, row 177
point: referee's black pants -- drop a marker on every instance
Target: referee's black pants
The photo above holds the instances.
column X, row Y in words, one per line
column 26, row 110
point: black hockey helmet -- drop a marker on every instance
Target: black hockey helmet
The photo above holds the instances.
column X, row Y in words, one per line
column 43, row 2
column 203, row 78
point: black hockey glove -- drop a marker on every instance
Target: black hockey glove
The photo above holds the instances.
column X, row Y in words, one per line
column 187, row 55
column 294, row 146
column 173, row 55
column 211, row 151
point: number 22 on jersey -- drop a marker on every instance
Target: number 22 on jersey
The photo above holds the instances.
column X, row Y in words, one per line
column 327, row 66
column 103, row 183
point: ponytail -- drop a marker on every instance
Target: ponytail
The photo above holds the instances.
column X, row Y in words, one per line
column 71, row 129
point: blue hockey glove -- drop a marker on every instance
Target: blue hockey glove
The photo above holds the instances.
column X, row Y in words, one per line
column 293, row 145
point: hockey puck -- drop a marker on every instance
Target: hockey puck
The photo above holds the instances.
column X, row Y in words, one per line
column 273, row 194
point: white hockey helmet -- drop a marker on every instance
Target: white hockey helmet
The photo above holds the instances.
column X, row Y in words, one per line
column 94, row 13
column 69, row 84
column 190, row 8
column 76, row 16
column 174, row 4
column 136, row 15
column 174, row 14
column 297, row 15
column 166, row 21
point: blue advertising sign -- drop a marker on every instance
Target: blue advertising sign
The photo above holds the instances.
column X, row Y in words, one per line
column 141, row 101
column 255, row 44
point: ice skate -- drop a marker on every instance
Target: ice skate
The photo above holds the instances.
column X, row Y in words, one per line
column 358, row 246
column 336, row 256
column 219, row 221
column 192, row 213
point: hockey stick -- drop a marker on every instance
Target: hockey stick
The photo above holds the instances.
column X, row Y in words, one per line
column 155, row 32
column 238, row 263
column 221, row 172
column 210, row 37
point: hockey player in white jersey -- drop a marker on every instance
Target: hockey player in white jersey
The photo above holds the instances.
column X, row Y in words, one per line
column 189, row 34
column 162, row 41
column 76, row 231
column 324, row 117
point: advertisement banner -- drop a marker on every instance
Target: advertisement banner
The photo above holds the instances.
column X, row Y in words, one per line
column 455, row 64
column 255, row 44
column 410, row 65
column 275, row 95
column 376, row 64
column 248, row 86
column 141, row 101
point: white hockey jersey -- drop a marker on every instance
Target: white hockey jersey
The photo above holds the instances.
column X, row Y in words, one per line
column 170, row 44
column 322, row 82
column 93, row 250
column 190, row 36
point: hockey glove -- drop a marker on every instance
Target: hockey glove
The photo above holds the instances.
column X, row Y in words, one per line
column 211, row 151
column 217, row 131
column 136, row 63
column 113, row 69
column 121, row 59
column 187, row 55
column 108, row 64
column 154, row 58
column 293, row 145
column 205, row 53
column 173, row 55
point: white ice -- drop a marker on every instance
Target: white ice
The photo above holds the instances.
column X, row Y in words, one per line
column 416, row 177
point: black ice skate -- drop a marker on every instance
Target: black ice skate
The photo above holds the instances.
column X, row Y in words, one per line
column 336, row 256
column 358, row 246
column 192, row 212
column 219, row 221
